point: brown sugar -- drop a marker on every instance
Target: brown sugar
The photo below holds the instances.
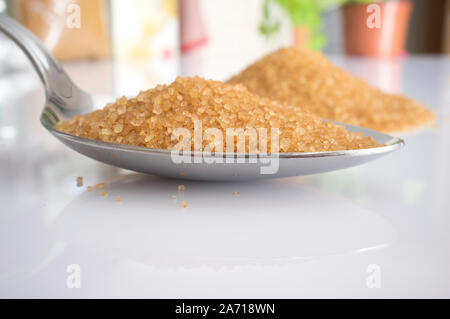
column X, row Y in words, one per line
column 149, row 119
column 311, row 82
column 181, row 188
column 100, row 185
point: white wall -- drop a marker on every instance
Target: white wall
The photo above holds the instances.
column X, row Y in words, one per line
column 234, row 38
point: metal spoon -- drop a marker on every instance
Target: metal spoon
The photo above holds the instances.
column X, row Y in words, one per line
column 64, row 100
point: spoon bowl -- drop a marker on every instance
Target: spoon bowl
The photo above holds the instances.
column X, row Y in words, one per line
column 64, row 100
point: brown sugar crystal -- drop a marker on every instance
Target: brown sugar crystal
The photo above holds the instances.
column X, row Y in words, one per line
column 100, row 185
column 149, row 119
column 311, row 82
column 79, row 181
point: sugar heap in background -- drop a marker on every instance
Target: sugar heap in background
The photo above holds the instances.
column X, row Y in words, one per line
column 311, row 82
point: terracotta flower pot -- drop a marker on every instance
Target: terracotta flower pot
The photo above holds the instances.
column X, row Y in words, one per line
column 376, row 29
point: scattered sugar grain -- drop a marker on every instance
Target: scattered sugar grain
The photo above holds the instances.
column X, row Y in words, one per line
column 100, row 185
column 79, row 181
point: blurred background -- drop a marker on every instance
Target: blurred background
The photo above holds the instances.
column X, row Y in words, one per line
column 116, row 47
column 152, row 41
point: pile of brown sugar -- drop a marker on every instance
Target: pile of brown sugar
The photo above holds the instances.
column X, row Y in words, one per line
column 150, row 118
column 310, row 81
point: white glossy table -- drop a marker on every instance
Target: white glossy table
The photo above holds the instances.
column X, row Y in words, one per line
column 378, row 230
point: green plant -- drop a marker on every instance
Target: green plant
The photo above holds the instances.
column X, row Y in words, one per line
column 305, row 13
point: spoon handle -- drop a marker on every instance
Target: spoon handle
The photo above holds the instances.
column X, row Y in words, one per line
column 58, row 86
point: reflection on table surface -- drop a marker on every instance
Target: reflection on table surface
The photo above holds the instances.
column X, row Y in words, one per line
column 309, row 236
